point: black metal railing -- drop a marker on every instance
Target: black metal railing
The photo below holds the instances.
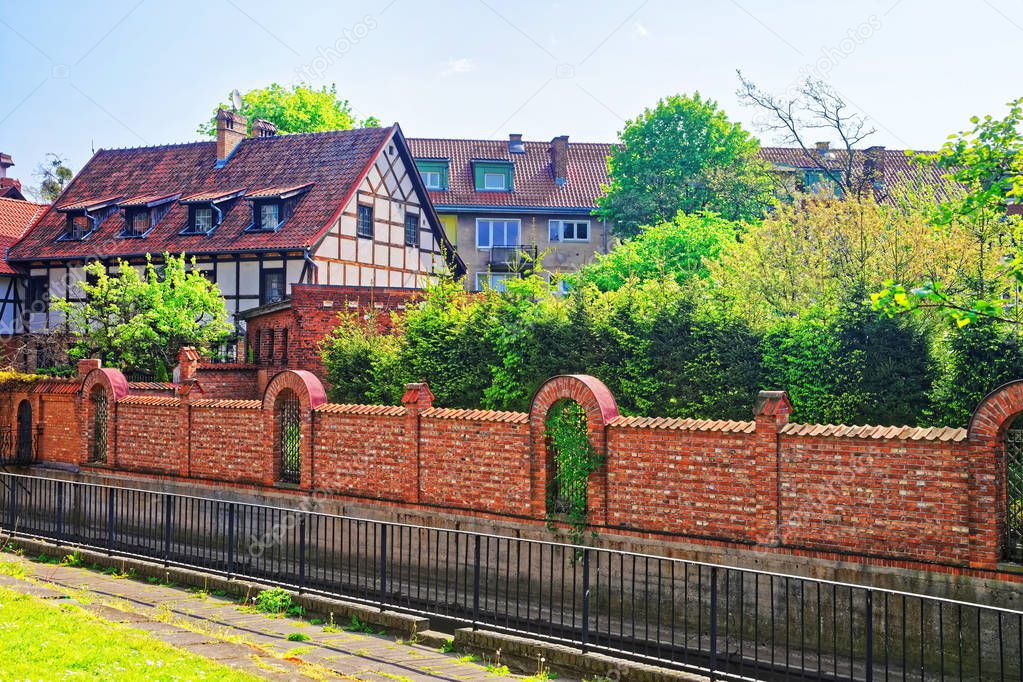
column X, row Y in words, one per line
column 727, row 622
column 514, row 258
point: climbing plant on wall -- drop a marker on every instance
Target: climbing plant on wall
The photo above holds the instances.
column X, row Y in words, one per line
column 572, row 459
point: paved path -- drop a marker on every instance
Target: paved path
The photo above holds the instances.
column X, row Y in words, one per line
column 218, row 628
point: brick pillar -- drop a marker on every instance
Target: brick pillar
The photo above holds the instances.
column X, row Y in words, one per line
column 86, row 365
column 417, row 398
column 188, row 364
column 770, row 413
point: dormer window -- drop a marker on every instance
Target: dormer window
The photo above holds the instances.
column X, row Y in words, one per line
column 493, row 176
column 202, row 219
column 206, row 210
column 137, row 223
column 271, row 207
column 434, row 173
column 78, row 226
column 495, row 181
column 142, row 213
column 269, row 216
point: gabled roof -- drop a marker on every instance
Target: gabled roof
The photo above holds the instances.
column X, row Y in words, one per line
column 330, row 164
column 15, row 217
column 533, row 184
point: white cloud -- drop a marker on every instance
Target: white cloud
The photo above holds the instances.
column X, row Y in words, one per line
column 639, row 30
column 459, row 65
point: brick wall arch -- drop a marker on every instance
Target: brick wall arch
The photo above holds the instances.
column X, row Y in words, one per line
column 600, row 407
column 114, row 384
column 310, row 393
column 995, row 413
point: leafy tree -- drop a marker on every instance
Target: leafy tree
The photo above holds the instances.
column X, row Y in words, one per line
column 298, row 109
column 683, row 155
column 53, row 175
column 986, row 163
column 361, row 361
column 974, row 360
column 678, row 249
column 813, row 252
column 815, row 106
column 140, row 321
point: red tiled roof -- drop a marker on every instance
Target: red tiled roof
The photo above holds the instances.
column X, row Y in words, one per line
column 683, row 424
column 15, row 218
column 277, row 191
column 941, row 433
column 533, row 183
column 477, row 415
column 88, row 202
column 147, row 199
column 331, row 162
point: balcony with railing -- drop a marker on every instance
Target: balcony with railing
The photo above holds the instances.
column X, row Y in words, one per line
column 514, row 258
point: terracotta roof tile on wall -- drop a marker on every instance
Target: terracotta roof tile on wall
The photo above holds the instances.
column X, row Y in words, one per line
column 477, row 415
column 942, row 433
column 681, row 424
column 332, row 161
column 533, row 182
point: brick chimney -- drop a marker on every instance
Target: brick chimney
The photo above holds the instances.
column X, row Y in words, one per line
column 559, row 159
column 86, row 365
column 515, row 145
column 231, row 129
column 263, row 128
column 6, row 162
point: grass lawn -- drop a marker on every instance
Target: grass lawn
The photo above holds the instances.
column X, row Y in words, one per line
column 50, row 640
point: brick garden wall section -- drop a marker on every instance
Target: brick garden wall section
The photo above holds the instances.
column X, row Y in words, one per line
column 900, row 493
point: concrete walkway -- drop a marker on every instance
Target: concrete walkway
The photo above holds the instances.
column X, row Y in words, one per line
column 220, row 629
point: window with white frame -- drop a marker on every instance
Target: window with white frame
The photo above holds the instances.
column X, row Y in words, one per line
column 495, row 181
column 492, row 280
column 491, row 233
column 269, row 216
column 432, row 180
column 411, row 229
column 203, row 219
column 570, row 230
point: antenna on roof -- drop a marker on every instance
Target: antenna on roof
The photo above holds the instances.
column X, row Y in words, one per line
column 236, row 100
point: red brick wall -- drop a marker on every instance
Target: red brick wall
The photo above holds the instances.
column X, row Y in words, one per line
column 311, row 315
column 885, row 497
column 471, row 462
column 149, row 436
column 227, row 442
column 900, row 493
column 228, row 381
column 362, row 454
column 678, row 480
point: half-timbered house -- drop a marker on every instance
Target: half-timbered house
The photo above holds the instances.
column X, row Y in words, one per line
column 258, row 213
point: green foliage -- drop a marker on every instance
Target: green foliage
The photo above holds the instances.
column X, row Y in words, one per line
column 683, row 155
column 974, row 359
column 360, row 360
column 53, row 175
column 140, row 321
column 274, row 601
column 298, row 637
column 851, row 368
column 298, row 109
column 574, row 459
column 678, row 249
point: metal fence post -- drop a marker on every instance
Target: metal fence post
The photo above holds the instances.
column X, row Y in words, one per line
column 168, row 511
column 383, row 564
column 301, row 554
column 12, row 508
column 111, row 493
column 476, row 584
column 586, row 598
column 230, row 539
column 870, row 635
column 60, row 512
column 713, row 622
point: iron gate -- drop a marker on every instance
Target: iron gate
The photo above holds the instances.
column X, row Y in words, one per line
column 289, row 424
column 1014, row 492
column 24, row 452
column 99, row 426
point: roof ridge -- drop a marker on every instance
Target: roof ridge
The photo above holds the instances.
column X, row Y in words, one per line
column 247, row 138
column 503, row 141
column 25, row 202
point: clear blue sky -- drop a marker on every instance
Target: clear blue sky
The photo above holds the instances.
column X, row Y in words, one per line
column 125, row 73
